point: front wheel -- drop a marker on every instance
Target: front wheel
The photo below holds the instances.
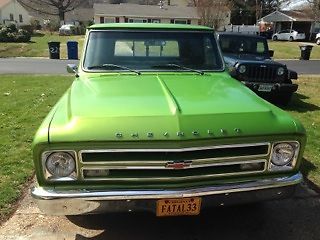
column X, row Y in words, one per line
column 291, row 39
column 275, row 38
column 318, row 41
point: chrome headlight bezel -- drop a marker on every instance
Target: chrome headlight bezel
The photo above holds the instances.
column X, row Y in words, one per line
column 51, row 177
column 280, row 71
column 288, row 164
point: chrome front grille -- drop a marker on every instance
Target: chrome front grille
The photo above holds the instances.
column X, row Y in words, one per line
column 261, row 73
column 173, row 164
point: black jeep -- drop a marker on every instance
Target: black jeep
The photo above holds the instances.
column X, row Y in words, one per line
column 248, row 59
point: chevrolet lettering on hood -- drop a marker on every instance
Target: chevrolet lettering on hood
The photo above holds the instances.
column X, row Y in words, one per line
column 179, row 134
column 153, row 122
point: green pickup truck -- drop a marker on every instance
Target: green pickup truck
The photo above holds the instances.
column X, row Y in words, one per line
column 153, row 122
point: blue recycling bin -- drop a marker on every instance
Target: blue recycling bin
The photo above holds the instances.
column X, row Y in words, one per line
column 72, row 49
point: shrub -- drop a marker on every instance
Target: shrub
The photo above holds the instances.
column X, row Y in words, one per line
column 51, row 26
column 22, row 36
column 35, row 24
column 12, row 28
column 28, row 28
column 7, row 34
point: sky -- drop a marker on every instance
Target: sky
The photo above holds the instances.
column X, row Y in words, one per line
column 295, row 4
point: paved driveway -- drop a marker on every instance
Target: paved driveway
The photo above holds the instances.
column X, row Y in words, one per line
column 293, row 219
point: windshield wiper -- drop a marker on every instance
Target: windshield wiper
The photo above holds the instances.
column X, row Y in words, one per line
column 110, row 65
column 173, row 65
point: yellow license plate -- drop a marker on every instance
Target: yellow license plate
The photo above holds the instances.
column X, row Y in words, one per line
column 178, row 207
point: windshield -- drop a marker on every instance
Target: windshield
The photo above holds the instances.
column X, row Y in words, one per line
column 243, row 45
column 157, row 51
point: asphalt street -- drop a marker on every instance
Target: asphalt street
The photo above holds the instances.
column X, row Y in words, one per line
column 33, row 66
column 48, row 66
column 303, row 66
column 291, row 219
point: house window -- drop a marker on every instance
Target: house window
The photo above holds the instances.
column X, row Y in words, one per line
column 20, row 18
column 137, row 20
column 180, row 21
column 11, row 17
column 109, row 20
column 101, row 19
column 154, row 20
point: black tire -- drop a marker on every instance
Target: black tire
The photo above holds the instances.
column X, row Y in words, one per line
column 291, row 39
column 275, row 38
column 318, row 41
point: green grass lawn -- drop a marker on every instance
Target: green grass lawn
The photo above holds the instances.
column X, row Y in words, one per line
column 25, row 101
column 305, row 106
column 38, row 47
column 291, row 50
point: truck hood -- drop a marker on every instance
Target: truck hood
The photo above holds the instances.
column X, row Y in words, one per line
column 232, row 59
column 163, row 107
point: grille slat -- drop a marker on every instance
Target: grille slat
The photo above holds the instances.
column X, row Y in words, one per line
column 152, row 164
column 261, row 73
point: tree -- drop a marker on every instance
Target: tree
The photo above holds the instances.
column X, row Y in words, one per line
column 52, row 7
column 315, row 6
column 212, row 12
column 250, row 11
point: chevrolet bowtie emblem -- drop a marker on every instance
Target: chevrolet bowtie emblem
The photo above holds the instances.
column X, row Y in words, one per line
column 179, row 165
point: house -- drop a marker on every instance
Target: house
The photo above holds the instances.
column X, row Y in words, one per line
column 136, row 13
column 11, row 11
column 299, row 20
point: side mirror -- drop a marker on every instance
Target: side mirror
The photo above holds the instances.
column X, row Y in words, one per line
column 271, row 53
column 232, row 71
column 72, row 68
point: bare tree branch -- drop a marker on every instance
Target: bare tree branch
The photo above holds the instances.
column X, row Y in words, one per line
column 212, row 12
column 315, row 6
column 52, row 7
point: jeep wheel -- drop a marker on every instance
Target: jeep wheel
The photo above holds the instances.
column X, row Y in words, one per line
column 318, row 41
column 275, row 38
column 291, row 39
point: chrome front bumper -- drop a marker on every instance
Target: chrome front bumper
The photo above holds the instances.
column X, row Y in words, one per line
column 88, row 202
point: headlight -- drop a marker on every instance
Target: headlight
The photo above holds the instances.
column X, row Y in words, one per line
column 60, row 164
column 284, row 156
column 280, row 71
column 242, row 69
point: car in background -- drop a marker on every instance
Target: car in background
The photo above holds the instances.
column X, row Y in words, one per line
column 248, row 59
column 289, row 35
column 67, row 29
column 318, row 39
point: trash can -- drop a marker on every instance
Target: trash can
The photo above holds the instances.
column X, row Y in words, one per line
column 72, row 49
column 305, row 52
column 54, row 50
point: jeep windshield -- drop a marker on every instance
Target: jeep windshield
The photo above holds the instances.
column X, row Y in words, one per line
column 191, row 51
column 243, row 45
